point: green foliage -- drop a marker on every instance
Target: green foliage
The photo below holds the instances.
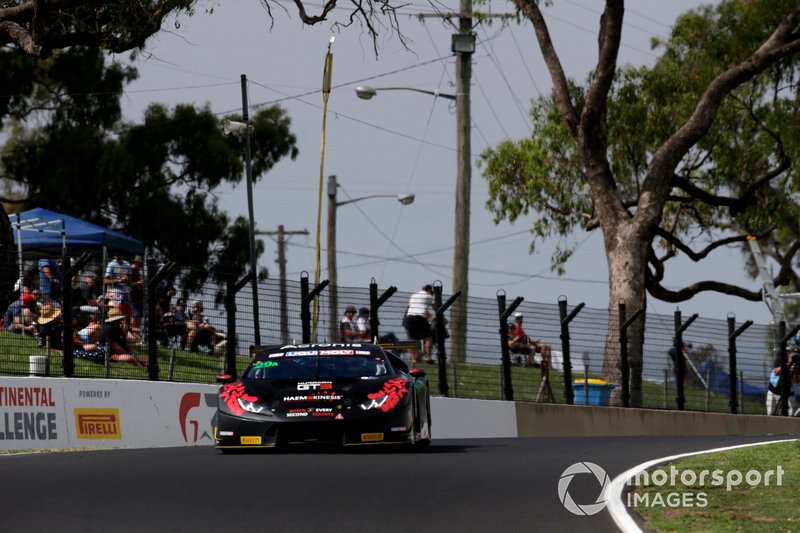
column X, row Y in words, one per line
column 719, row 189
column 154, row 181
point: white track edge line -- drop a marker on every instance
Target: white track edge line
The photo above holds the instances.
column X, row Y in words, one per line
column 613, row 492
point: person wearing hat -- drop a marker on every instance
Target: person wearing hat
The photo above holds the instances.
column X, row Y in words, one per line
column 22, row 313
column 362, row 325
column 519, row 342
column 137, row 294
column 51, row 327
column 347, row 329
column 114, row 339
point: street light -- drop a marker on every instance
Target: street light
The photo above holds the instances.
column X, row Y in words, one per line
column 333, row 185
column 458, row 315
column 243, row 129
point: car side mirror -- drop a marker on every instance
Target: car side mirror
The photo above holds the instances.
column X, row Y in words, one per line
column 418, row 372
column 224, row 378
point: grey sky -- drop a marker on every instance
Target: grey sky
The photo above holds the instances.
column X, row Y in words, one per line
column 405, row 142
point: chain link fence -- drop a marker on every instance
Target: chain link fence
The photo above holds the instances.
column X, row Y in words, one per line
column 181, row 352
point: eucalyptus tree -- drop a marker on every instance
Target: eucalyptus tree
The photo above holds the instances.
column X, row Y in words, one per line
column 698, row 145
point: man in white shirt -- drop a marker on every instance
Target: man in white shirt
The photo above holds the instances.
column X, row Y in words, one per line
column 417, row 321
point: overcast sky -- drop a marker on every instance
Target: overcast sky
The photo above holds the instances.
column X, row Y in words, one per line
column 404, row 141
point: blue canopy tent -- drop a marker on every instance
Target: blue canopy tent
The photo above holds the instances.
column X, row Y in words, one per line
column 44, row 231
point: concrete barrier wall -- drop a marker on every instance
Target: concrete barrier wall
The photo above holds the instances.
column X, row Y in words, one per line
column 46, row 413
column 540, row 420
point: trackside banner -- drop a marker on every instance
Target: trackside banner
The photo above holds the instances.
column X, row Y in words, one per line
column 42, row 413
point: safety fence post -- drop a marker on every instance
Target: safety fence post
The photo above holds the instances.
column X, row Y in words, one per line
column 732, row 334
column 680, row 358
column 152, row 319
column 375, row 303
column 441, row 333
column 69, row 269
column 624, row 324
column 569, row 394
column 505, row 355
column 233, row 287
column 307, row 298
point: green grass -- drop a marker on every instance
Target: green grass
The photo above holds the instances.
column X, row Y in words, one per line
column 744, row 508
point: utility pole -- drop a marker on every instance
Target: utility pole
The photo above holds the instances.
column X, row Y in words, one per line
column 281, row 233
column 463, row 45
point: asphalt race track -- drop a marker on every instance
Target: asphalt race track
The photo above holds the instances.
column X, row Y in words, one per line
column 454, row 486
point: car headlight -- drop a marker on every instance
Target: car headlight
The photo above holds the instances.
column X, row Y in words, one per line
column 387, row 398
column 235, row 399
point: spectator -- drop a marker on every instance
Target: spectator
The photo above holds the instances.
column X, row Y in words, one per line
column 50, row 280
column 86, row 343
column 673, row 355
column 165, row 290
column 114, row 339
column 177, row 323
column 117, row 283
column 203, row 333
column 417, row 321
column 362, row 326
column 347, row 329
column 521, row 343
column 137, row 294
column 774, row 386
column 28, row 282
column 85, row 304
column 22, row 313
column 50, row 333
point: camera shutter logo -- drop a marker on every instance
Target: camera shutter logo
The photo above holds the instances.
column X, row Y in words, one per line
column 566, row 479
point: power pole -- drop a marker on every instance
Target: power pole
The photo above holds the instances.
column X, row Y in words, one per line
column 281, row 233
column 463, row 45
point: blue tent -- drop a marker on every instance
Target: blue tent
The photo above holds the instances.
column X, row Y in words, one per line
column 42, row 230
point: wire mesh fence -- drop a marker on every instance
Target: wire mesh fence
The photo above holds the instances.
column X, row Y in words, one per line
column 192, row 340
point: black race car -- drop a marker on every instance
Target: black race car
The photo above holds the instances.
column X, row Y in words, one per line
column 350, row 394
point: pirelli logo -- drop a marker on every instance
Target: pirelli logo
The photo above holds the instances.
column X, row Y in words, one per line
column 250, row 440
column 371, row 437
column 98, row 424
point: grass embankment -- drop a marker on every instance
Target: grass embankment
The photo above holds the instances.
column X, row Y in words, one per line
column 464, row 380
column 744, row 507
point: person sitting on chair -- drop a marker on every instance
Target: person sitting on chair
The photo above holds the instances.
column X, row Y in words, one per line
column 520, row 343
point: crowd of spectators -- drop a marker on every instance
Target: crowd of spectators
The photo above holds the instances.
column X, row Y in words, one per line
column 107, row 311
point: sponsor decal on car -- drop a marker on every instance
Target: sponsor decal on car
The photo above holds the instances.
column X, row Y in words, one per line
column 314, row 385
column 295, row 415
column 232, row 393
column 387, row 398
column 250, row 440
column 371, row 437
column 313, row 398
column 336, row 352
column 300, row 353
column 265, row 364
column 398, row 429
column 226, row 433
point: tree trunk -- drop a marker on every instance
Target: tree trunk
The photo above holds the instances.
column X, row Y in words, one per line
column 627, row 261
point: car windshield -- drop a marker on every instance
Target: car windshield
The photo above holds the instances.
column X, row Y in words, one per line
column 310, row 367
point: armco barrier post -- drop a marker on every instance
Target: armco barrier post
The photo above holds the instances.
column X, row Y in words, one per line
column 569, row 394
column 732, row 334
column 233, row 287
column 505, row 356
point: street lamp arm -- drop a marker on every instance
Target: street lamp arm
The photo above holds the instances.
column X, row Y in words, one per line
column 404, row 199
column 367, row 93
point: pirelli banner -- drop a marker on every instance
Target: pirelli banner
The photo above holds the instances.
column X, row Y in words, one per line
column 42, row 413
